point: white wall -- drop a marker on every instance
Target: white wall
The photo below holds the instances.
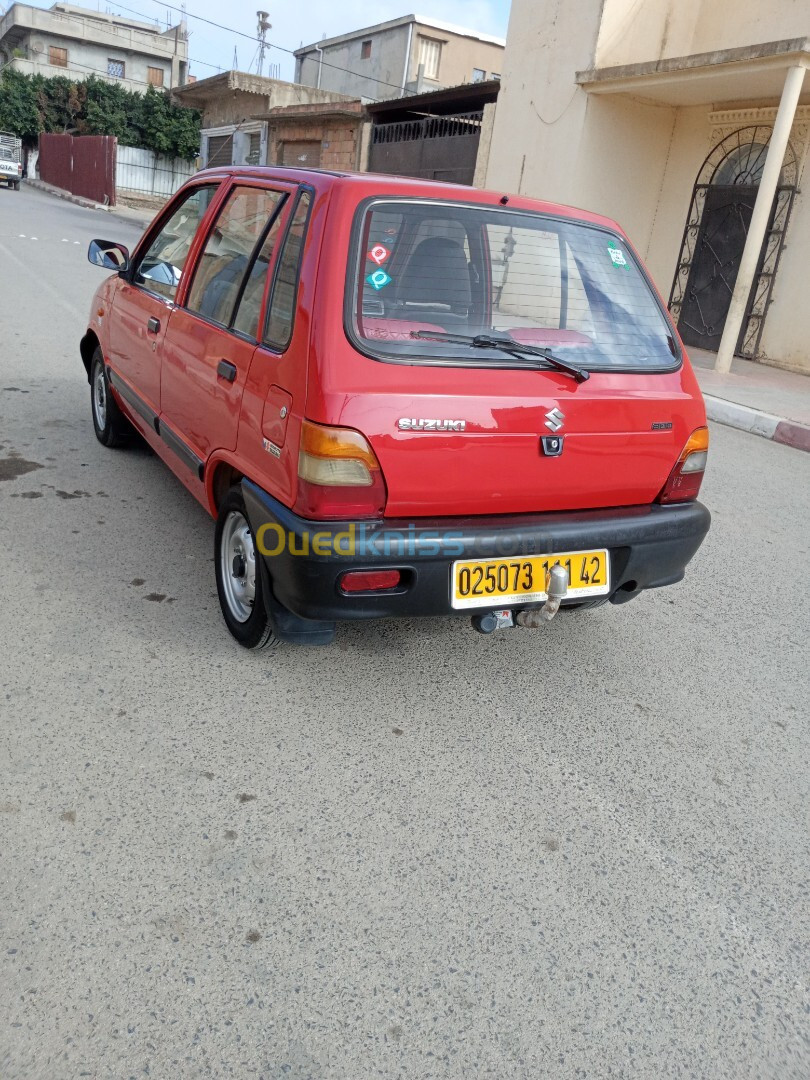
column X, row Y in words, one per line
column 632, row 160
column 148, row 173
column 553, row 141
column 635, row 31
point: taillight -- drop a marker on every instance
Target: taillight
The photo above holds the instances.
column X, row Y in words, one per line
column 338, row 475
column 683, row 483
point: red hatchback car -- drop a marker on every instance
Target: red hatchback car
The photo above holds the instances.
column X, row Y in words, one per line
column 402, row 398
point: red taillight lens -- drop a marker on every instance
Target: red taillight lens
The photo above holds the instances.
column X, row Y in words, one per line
column 369, row 580
column 683, row 483
column 339, row 476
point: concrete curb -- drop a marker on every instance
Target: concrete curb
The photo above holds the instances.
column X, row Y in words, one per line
column 765, row 424
column 60, row 193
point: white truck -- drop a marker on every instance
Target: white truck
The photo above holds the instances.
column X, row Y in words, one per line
column 10, row 160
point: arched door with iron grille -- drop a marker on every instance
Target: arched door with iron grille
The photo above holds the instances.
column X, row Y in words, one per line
column 716, row 229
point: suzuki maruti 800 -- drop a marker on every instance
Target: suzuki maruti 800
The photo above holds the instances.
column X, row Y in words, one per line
column 402, row 398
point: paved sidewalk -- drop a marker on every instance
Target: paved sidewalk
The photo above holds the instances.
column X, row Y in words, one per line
column 754, row 397
column 128, row 213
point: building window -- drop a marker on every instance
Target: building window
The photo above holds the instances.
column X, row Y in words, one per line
column 496, row 75
column 154, row 76
column 254, row 148
column 479, row 75
column 365, row 50
column 57, row 57
column 219, row 151
column 430, row 52
column 116, row 68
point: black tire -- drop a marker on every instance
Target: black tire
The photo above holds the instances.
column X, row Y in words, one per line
column 110, row 425
column 240, row 584
column 586, row 605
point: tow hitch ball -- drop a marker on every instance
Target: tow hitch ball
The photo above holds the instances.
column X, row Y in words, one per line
column 556, row 589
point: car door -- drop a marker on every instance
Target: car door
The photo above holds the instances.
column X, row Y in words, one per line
column 275, row 391
column 214, row 329
column 145, row 299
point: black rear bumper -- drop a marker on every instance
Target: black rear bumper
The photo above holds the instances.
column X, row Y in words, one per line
column 649, row 546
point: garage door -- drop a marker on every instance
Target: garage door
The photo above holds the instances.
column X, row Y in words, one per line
column 306, row 155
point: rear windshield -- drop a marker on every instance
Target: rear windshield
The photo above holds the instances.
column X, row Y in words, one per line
column 537, row 280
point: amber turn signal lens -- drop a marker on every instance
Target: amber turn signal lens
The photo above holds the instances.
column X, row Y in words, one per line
column 339, row 476
column 683, row 483
column 335, row 457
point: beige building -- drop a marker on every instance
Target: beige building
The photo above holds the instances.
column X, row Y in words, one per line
column 78, row 42
column 688, row 121
column 409, row 55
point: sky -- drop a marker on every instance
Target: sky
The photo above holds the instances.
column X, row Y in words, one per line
column 293, row 24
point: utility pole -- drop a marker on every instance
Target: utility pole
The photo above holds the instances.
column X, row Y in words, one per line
column 262, row 28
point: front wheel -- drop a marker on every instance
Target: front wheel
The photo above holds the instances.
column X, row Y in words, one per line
column 239, row 580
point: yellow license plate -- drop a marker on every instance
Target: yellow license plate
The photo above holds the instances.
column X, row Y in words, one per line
column 500, row 582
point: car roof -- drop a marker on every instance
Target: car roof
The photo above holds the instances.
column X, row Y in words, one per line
column 367, row 185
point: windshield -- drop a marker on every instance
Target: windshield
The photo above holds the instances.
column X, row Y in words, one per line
column 541, row 281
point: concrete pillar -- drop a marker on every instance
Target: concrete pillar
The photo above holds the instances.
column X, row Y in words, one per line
column 484, row 145
column 759, row 219
column 364, row 146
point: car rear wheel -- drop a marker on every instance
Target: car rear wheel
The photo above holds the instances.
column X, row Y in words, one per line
column 111, row 426
column 239, row 580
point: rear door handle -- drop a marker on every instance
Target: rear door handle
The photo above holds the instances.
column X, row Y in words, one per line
column 153, row 326
column 226, row 370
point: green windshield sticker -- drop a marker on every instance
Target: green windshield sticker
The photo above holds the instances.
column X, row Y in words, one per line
column 617, row 255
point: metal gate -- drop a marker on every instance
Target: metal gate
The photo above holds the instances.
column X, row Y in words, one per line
column 433, row 148
column 81, row 164
column 723, row 228
column 714, row 238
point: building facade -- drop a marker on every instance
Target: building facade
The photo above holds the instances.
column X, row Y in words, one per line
column 690, row 126
column 235, row 107
column 77, row 42
column 410, row 55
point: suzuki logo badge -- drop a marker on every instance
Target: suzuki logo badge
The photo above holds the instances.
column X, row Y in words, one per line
column 554, row 419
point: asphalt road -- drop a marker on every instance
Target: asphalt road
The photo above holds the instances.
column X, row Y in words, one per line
column 419, row 853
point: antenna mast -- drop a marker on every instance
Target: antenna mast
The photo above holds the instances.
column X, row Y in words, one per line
column 262, row 27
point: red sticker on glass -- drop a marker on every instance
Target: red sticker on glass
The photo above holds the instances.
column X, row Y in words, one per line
column 379, row 254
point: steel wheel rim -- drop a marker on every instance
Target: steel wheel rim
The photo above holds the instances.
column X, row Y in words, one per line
column 237, row 565
column 100, row 397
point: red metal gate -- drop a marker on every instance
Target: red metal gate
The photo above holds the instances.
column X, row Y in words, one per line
column 81, row 164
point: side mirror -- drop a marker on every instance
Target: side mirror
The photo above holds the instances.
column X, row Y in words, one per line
column 109, row 255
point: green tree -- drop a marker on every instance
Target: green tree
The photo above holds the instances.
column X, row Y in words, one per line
column 19, row 113
column 109, row 110
column 61, row 103
column 30, row 104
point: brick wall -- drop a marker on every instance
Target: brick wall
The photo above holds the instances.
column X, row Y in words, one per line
column 339, row 141
column 340, row 136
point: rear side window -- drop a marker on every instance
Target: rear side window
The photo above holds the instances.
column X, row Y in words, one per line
column 428, row 268
column 246, row 320
column 227, row 272
column 162, row 266
column 281, row 315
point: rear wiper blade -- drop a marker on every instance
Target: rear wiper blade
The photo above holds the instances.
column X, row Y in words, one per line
column 487, row 341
